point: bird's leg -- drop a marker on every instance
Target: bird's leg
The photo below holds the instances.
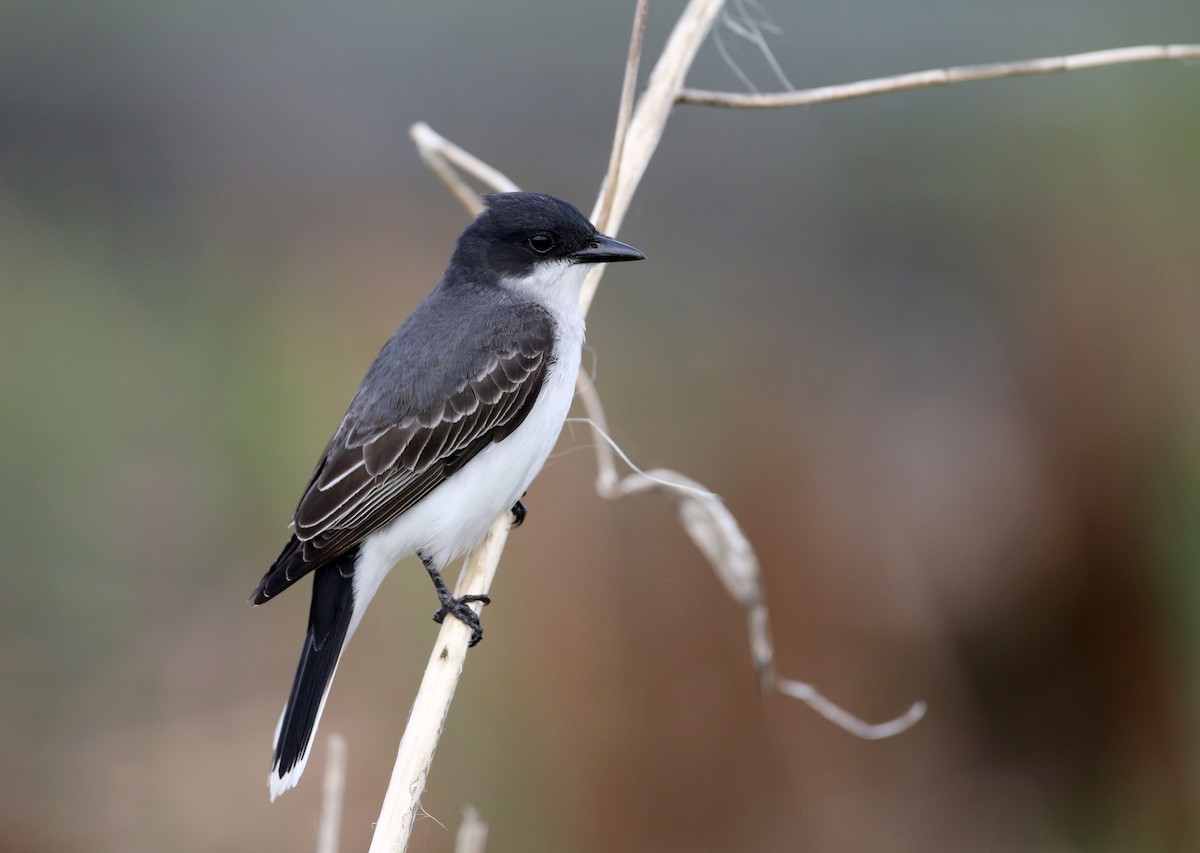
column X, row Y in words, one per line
column 456, row 607
column 519, row 512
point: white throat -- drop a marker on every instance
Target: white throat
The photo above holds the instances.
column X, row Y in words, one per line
column 556, row 285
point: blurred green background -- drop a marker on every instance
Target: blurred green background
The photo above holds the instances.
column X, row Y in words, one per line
column 939, row 351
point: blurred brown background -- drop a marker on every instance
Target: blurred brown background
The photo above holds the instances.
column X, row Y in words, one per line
column 939, row 351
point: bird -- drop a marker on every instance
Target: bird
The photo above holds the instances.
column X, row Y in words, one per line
column 453, row 420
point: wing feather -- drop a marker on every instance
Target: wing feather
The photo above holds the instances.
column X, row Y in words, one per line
column 373, row 472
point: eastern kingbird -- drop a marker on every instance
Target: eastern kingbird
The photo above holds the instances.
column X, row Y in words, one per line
column 454, row 419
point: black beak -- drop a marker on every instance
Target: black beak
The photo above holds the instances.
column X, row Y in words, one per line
column 606, row 250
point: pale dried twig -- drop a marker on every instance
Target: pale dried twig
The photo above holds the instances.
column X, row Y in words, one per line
column 940, row 77
column 703, row 515
column 437, row 687
column 333, row 795
column 443, row 156
column 472, row 832
column 428, row 715
column 752, row 29
column 624, row 114
column 838, row 716
column 716, row 533
column 654, row 106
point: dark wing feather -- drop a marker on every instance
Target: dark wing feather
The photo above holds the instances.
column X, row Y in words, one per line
column 371, row 474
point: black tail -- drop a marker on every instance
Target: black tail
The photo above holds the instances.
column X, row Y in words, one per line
column 328, row 622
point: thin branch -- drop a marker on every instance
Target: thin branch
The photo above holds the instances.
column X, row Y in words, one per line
column 753, row 30
column 726, row 56
column 472, row 832
column 443, row 156
column 650, row 119
column 624, row 113
column 941, row 77
column 428, row 715
column 703, row 515
column 843, row 719
column 650, row 116
column 432, row 703
column 716, row 533
column 333, row 795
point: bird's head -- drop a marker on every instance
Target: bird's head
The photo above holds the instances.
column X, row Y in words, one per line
column 530, row 236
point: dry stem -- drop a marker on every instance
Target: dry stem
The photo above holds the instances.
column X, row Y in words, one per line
column 603, row 211
column 333, row 794
column 472, row 832
column 443, row 156
column 940, row 77
column 428, row 715
column 702, row 513
column 649, row 120
column 437, row 690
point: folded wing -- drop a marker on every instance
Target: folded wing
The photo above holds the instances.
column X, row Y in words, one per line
column 371, row 473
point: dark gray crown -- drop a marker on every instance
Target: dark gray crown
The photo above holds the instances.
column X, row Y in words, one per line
column 520, row 230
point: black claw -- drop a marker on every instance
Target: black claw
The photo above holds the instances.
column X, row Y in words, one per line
column 519, row 512
column 457, row 607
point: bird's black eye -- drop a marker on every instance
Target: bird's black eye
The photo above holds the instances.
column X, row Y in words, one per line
column 541, row 243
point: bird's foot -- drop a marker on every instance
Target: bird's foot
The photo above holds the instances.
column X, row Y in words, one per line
column 519, row 512
column 457, row 607
column 451, row 606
